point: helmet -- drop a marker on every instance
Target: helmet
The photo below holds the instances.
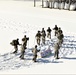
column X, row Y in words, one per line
column 17, row 38
column 48, row 27
column 55, row 25
column 38, row 31
column 35, row 46
column 24, row 35
column 59, row 28
column 42, row 28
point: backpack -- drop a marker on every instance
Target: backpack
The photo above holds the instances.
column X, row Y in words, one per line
column 14, row 42
column 61, row 37
column 43, row 34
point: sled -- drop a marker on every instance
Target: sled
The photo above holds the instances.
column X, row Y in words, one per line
column 45, row 53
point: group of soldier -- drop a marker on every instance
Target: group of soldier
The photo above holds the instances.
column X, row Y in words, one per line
column 15, row 43
column 58, row 34
column 40, row 36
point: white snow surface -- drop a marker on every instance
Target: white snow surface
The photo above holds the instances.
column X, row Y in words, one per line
column 18, row 18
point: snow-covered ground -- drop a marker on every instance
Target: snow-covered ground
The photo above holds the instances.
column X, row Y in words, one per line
column 18, row 18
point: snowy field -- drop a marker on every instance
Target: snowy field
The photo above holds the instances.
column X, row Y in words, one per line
column 18, row 18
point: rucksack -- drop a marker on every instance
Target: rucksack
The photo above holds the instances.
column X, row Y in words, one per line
column 61, row 37
column 14, row 42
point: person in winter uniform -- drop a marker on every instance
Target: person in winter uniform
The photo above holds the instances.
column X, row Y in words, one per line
column 43, row 35
column 22, row 52
column 23, row 46
column 59, row 30
column 25, row 39
column 49, row 33
column 56, row 29
column 35, row 51
column 60, row 37
column 57, row 47
column 15, row 43
column 38, row 37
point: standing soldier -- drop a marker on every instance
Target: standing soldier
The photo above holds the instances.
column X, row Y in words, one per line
column 56, row 29
column 57, row 47
column 38, row 37
column 59, row 30
column 15, row 43
column 49, row 33
column 60, row 37
column 43, row 35
column 23, row 46
column 35, row 51
column 25, row 39
column 22, row 52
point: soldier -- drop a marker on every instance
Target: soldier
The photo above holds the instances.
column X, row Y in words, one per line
column 38, row 37
column 57, row 47
column 60, row 37
column 15, row 43
column 23, row 46
column 22, row 52
column 49, row 33
column 43, row 35
column 25, row 39
column 35, row 51
column 59, row 30
column 56, row 29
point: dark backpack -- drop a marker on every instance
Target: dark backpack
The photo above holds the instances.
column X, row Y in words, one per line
column 14, row 42
column 61, row 37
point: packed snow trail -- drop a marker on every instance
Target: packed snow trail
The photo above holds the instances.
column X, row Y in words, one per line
column 12, row 61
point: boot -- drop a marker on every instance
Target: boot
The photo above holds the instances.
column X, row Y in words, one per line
column 57, row 57
column 22, row 56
